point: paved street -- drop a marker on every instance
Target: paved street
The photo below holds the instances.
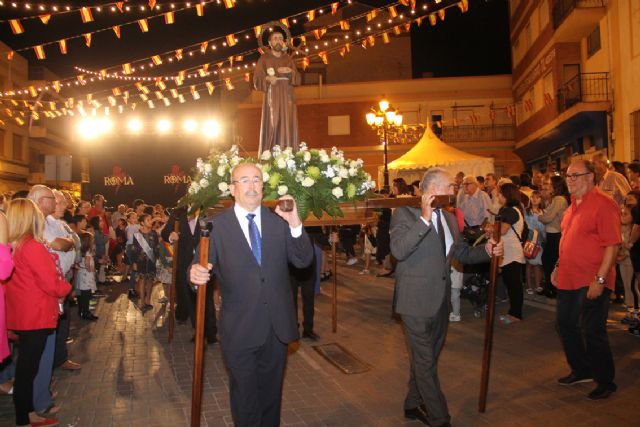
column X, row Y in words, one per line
column 132, row 377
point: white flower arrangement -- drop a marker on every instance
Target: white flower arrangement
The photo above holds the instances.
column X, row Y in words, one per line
column 318, row 180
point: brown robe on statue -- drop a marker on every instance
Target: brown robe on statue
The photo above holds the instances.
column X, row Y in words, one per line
column 279, row 124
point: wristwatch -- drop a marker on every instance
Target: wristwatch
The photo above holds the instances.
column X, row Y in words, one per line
column 601, row 280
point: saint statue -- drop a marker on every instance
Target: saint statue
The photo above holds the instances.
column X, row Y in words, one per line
column 275, row 74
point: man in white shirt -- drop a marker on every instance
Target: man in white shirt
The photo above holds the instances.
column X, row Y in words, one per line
column 473, row 202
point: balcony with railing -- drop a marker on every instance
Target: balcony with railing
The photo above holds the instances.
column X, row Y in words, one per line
column 584, row 87
column 575, row 19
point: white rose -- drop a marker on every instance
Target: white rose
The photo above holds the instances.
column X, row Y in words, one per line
column 282, row 163
column 329, row 173
column 337, row 192
column 303, row 146
column 336, row 180
column 282, row 190
column 221, row 170
column 353, row 171
column 194, row 188
column 271, row 71
column 234, row 161
column 308, row 182
column 291, row 164
column 306, row 156
column 343, row 173
column 266, row 155
column 204, row 182
column 324, row 158
column 223, row 186
column 208, row 168
column 265, row 177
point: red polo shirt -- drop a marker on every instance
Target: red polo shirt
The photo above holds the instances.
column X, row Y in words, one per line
column 587, row 229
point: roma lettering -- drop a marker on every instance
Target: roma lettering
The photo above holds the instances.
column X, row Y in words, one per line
column 114, row 181
column 176, row 179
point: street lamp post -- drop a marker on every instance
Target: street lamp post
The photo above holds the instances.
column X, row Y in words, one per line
column 384, row 119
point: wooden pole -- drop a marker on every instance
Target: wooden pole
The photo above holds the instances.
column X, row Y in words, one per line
column 334, row 293
column 198, row 352
column 488, row 330
column 172, row 289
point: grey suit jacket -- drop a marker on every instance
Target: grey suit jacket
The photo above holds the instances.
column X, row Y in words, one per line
column 255, row 298
column 423, row 276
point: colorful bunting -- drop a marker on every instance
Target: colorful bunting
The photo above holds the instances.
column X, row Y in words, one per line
column 144, row 25
column 169, row 18
column 87, row 39
column 156, row 59
column 116, row 29
column 85, row 14
column 45, row 18
column 63, row 46
column 39, row 52
column 200, row 9
column 334, row 8
column 16, row 26
column 229, row 3
column 231, row 40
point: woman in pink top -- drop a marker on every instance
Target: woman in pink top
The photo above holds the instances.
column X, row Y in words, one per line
column 6, row 267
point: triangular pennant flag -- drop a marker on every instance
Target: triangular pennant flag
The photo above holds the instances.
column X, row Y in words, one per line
column 303, row 40
column 116, row 91
column 144, row 25
column 385, row 37
column 156, row 59
column 257, row 30
column 56, row 85
column 169, row 18
column 181, row 74
column 203, row 46
column 404, row 2
column 311, row 15
column 151, row 105
column 407, row 27
column 85, row 14
column 305, row 63
column 285, row 22
column 32, row 91
column 45, row 18
column 342, row 51
column 152, row 4
column 195, row 93
column 228, row 84
column 181, row 99
column 111, row 100
column 39, row 52
column 334, row 8
column 323, row 56
column 116, row 29
column 178, row 81
column 103, row 73
column 413, row 4
column 210, row 87
column 144, row 97
column 231, row 40
column 372, row 15
column 393, row 12
column 419, row 21
column 202, row 72
column 348, row 47
column 166, row 102
column 441, row 13
column 463, row 5
column 179, row 54
column 159, row 94
column 174, row 93
column 80, row 78
column 372, row 40
column 63, row 46
column 344, row 25
column 432, row 19
column 119, row 4
column 10, row 55
column 16, row 26
column 160, row 83
column 246, row 77
column 19, row 121
column 229, row 3
column 87, row 39
column 126, row 68
column 231, row 61
column 200, row 9
column 396, row 30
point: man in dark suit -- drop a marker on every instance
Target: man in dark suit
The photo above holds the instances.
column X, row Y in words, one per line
column 188, row 237
column 424, row 241
column 249, row 251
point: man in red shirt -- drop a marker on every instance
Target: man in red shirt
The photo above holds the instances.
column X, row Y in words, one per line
column 98, row 210
column 585, row 277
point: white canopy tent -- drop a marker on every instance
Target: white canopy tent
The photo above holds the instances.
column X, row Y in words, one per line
column 429, row 152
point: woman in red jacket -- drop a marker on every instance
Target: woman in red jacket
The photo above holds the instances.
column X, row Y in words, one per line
column 32, row 295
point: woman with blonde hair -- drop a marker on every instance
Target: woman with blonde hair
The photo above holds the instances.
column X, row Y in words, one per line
column 6, row 267
column 33, row 294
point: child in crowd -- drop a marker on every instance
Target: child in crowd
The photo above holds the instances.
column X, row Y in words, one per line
column 534, row 270
column 164, row 263
column 626, row 267
column 369, row 246
column 85, row 278
column 145, row 252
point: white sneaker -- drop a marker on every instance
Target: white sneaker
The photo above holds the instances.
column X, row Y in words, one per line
column 352, row 261
column 454, row 317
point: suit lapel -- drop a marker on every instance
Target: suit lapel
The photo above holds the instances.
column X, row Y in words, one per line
column 269, row 224
column 233, row 225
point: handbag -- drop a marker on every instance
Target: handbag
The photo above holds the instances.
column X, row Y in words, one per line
column 531, row 248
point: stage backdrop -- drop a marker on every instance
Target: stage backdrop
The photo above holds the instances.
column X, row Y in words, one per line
column 156, row 171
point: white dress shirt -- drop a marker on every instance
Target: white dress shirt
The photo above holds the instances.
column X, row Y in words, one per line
column 241, row 214
column 448, row 237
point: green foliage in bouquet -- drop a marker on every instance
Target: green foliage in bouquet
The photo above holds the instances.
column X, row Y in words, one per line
column 318, row 180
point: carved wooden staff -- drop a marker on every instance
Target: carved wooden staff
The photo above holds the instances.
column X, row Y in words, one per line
column 198, row 352
column 491, row 311
column 172, row 289
column 334, row 293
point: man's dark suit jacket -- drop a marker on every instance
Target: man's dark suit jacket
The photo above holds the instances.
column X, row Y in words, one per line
column 255, row 298
column 187, row 242
column 423, row 274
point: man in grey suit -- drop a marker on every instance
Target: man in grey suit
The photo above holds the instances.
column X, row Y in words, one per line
column 250, row 249
column 424, row 241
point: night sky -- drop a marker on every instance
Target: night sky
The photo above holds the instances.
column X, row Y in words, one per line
column 475, row 43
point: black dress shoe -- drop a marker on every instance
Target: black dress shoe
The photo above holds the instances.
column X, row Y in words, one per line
column 310, row 335
column 89, row 316
column 572, row 379
column 601, row 392
column 416, row 414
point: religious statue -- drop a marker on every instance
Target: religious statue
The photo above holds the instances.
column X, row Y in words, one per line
column 275, row 74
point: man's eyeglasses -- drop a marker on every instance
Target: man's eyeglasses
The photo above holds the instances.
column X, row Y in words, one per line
column 575, row 176
column 245, row 181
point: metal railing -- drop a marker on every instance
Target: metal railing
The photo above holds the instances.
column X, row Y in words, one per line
column 563, row 8
column 477, row 133
column 584, row 87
